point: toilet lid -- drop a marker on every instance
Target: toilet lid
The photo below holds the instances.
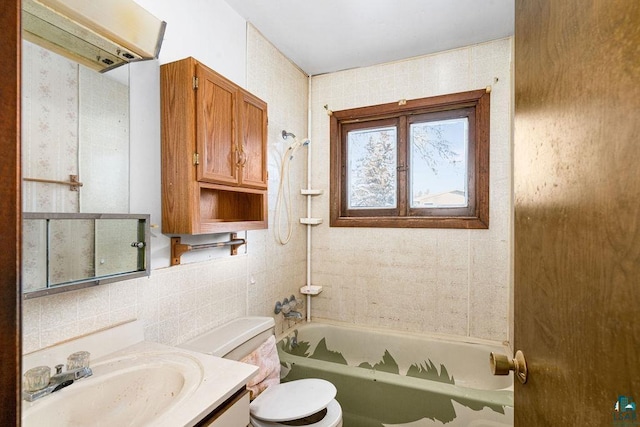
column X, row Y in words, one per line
column 332, row 418
column 293, row 400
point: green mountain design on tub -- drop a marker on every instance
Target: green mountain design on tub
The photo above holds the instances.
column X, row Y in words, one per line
column 375, row 396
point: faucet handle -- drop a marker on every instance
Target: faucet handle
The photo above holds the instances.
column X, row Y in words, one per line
column 293, row 302
column 37, row 378
column 282, row 307
column 79, row 359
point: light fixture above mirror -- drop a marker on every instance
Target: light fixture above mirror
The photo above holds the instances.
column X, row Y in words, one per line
column 99, row 35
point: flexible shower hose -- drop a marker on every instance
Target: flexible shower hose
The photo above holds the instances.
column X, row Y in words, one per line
column 283, row 200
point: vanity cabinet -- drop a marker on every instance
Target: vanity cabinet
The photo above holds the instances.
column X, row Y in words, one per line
column 214, row 152
column 234, row 412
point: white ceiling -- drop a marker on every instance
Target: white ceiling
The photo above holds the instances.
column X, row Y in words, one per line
column 322, row 36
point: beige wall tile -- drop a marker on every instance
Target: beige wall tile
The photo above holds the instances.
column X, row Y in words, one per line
column 447, row 281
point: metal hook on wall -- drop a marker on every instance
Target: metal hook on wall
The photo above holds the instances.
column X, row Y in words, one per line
column 286, row 135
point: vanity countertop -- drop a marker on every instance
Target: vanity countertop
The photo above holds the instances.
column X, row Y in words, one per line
column 208, row 380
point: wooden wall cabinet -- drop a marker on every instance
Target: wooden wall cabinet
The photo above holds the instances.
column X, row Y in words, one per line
column 214, row 152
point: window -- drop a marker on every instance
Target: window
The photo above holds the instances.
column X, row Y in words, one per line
column 419, row 163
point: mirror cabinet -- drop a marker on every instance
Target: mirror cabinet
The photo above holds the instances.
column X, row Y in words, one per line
column 77, row 230
column 68, row 251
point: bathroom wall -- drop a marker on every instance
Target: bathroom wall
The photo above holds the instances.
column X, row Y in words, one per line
column 177, row 303
column 445, row 281
column 275, row 79
column 423, row 280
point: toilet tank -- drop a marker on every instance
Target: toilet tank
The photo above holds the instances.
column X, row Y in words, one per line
column 234, row 339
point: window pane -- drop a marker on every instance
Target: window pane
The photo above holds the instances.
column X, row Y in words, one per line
column 438, row 172
column 371, row 174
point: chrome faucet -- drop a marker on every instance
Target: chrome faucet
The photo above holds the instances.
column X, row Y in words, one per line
column 287, row 306
column 292, row 314
column 57, row 382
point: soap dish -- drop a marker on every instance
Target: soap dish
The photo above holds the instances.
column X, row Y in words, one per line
column 310, row 290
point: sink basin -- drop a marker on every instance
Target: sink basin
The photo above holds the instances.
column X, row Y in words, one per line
column 123, row 391
column 134, row 383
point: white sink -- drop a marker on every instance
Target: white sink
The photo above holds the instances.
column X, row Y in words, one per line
column 145, row 384
column 132, row 390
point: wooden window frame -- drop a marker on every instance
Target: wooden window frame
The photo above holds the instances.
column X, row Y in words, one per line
column 473, row 104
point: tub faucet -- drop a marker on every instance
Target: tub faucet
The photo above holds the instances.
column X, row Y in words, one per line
column 287, row 306
column 292, row 314
column 57, row 382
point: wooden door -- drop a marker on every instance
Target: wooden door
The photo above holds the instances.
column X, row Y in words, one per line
column 253, row 141
column 577, row 211
column 10, row 236
column 216, row 128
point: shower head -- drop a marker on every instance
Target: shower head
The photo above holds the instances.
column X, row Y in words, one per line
column 286, row 135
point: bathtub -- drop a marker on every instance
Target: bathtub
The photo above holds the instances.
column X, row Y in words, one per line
column 388, row 378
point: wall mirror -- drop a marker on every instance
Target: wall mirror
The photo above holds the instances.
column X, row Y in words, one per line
column 75, row 122
column 75, row 168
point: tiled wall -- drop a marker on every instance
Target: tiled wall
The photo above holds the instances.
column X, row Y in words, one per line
column 423, row 280
column 177, row 303
column 273, row 78
column 174, row 303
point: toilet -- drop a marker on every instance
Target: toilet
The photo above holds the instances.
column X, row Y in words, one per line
column 307, row 402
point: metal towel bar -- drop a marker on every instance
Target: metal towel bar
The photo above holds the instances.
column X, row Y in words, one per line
column 73, row 183
column 178, row 248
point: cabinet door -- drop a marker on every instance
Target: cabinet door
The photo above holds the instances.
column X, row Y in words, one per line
column 253, row 141
column 216, row 113
column 234, row 412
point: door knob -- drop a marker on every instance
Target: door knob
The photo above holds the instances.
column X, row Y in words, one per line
column 501, row 365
